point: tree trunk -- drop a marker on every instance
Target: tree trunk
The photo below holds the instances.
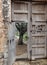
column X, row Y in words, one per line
column 20, row 42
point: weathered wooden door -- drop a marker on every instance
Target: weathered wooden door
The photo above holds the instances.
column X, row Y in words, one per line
column 38, row 30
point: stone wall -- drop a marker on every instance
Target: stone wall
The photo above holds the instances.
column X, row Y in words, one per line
column 3, row 35
column 6, row 9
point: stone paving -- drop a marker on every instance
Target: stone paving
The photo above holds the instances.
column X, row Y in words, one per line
column 35, row 62
column 21, row 49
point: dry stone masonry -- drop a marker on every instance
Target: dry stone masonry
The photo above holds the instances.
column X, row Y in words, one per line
column 4, row 17
column 2, row 35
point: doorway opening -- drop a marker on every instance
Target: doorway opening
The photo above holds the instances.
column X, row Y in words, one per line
column 20, row 15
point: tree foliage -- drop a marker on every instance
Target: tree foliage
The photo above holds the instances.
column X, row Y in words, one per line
column 22, row 28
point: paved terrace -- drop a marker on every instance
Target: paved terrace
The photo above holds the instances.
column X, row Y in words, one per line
column 35, row 62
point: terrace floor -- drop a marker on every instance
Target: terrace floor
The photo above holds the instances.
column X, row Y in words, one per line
column 35, row 62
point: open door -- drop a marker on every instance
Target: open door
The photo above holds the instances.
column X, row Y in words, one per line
column 20, row 15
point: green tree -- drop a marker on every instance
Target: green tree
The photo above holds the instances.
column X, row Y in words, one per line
column 22, row 28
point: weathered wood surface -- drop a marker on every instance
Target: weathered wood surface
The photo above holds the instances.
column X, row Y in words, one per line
column 38, row 22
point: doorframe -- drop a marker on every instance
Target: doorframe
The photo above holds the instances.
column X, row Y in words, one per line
column 28, row 27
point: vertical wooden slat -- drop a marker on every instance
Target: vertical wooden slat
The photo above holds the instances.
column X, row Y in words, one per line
column 46, row 27
column 29, row 35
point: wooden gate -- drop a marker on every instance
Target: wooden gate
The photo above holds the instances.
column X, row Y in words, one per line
column 36, row 26
column 38, row 34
